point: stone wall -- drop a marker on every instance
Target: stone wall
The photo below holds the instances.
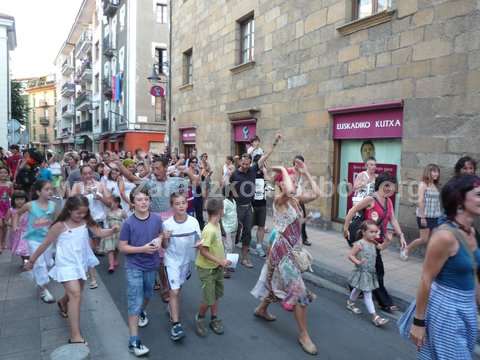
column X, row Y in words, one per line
column 428, row 54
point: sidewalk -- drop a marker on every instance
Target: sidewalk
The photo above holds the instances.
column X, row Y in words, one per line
column 31, row 329
column 330, row 250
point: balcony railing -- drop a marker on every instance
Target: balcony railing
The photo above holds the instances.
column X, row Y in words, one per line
column 84, row 126
column 84, row 73
column 83, row 100
column 84, row 43
column 107, row 88
column 66, row 132
column 68, row 111
column 106, row 125
column 67, row 67
column 68, row 89
column 110, row 7
column 43, row 139
column 44, row 121
column 43, row 103
column 108, row 48
column 121, row 122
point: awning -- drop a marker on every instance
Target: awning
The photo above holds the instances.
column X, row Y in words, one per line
column 116, row 137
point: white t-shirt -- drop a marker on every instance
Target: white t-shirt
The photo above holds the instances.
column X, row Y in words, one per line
column 181, row 248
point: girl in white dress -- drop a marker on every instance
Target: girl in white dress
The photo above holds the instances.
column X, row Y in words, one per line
column 74, row 257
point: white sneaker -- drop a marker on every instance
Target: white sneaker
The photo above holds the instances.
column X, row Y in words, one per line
column 404, row 254
column 142, row 319
column 138, row 349
column 47, row 297
column 260, row 251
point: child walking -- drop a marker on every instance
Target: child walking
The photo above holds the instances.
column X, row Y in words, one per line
column 210, row 264
column 73, row 258
column 140, row 242
column 229, row 223
column 109, row 245
column 41, row 213
column 18, row 245
column 6, row 189
column 364, row 277
column 182, row 232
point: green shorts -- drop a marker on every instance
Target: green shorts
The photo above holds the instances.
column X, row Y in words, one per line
column 212, row 284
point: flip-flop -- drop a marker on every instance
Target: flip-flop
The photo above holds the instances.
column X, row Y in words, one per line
column 266, row 316
column 63, row 312
column 83, row 342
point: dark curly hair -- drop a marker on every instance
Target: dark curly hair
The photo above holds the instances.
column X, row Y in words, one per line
column 454, row 191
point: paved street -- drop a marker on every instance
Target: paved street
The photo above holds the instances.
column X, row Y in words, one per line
column 337, row 333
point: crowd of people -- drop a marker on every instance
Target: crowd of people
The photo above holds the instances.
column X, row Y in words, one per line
column 59, row 213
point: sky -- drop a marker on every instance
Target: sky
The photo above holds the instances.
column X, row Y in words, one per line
column 41, row 26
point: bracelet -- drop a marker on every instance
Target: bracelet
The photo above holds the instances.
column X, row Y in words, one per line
column 418, row 322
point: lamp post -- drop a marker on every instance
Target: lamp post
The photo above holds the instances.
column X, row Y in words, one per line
column 155, row 78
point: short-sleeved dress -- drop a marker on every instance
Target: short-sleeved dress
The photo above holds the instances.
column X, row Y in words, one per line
column 110, row 243
column 74, row 255
column 281, row 278
column 18, row 245
column 5, row 194
column 364, row 276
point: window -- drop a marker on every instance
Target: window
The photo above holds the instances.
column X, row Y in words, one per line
column 364, row 8
column 97, row 83
column 97, row 51
column 188, row 67
column 247, row 40
column 160, row 109
column 161, row 60
column 161, row 13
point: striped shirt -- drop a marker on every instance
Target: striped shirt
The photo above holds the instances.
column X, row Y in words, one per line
column 431, row 200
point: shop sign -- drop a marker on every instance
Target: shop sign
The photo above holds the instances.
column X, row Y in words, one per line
column 189, row 135
column 355, row 168
column 244, row 132
column 375, row 124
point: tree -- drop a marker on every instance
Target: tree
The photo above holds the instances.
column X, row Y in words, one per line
column 19, row 103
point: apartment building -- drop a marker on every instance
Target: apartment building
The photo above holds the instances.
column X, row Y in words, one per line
column 103, row 69
column 342, row 80
column 8, row 42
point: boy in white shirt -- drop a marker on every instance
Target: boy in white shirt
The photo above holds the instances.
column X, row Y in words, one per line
column 184, row 234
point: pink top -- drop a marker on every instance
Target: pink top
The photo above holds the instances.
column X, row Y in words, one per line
column 380, row 215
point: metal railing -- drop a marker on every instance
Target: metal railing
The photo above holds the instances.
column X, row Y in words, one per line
column 68, row 110
column 106, row 125
column 68, row 89
column 110, row 7
column 84, row 126
column 44, row 121
column 82, row 97
column 108, row 47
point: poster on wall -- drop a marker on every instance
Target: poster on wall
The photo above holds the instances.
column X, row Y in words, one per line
column 355, row 168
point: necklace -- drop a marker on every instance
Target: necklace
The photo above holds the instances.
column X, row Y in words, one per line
column 466, row 229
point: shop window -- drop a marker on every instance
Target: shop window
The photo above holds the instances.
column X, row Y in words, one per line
column 365, row 8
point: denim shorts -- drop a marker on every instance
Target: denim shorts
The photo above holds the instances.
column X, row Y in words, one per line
column 432, row 223
column 140, row 285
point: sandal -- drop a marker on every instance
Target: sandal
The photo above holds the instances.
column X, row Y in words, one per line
column 390, row 309
column 308, row 347
column 351, row 306
column 247, row 263
column 265, row 316
column 93, row 285
column 83, row 342
column 379, row 321
column 63, row 312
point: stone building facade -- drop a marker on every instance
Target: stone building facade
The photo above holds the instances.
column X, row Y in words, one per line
column 341, row 82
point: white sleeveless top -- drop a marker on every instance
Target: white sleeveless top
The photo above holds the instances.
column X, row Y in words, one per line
column 74, row 255
column 129, row 186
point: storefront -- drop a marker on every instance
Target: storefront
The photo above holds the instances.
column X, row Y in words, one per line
column 188, row 137
column 243, row 133
column 360, row 132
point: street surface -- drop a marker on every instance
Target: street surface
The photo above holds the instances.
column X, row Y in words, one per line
column 338, row 333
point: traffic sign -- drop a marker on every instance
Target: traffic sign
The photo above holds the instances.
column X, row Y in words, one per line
column 157, row 91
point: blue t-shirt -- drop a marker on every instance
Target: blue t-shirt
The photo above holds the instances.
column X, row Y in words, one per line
column 45, row 174
column 139, row 232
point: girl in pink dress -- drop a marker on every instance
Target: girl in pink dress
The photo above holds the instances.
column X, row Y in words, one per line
column 17, row 244
column 6, row 188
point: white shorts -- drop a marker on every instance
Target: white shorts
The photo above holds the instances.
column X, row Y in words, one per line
column 177, row 275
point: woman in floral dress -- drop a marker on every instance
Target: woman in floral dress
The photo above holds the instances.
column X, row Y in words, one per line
column 281, row 278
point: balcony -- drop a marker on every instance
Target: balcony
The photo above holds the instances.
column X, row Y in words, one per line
column 83, row 100
column 68, row 89
column 84, row 44
column 84, row 73
column 67, row 68
column 68, row 111
column 108, row 48
column 84, row 126
column 107, row 88
column 110, row 7
column 43, row 104
column 106, row 125
column 121, row 122
column 43, row 138
column 44, row 121
column 66, row 132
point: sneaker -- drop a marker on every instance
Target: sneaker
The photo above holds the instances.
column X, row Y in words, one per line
column 217, row 326
column 138, row 348
column 200, row 326
column 404, row 254
column 176, row 332
column 142, row 319
column 260, row 251
column 47, row 297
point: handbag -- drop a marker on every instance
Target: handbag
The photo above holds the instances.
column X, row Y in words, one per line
column 303, row 259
